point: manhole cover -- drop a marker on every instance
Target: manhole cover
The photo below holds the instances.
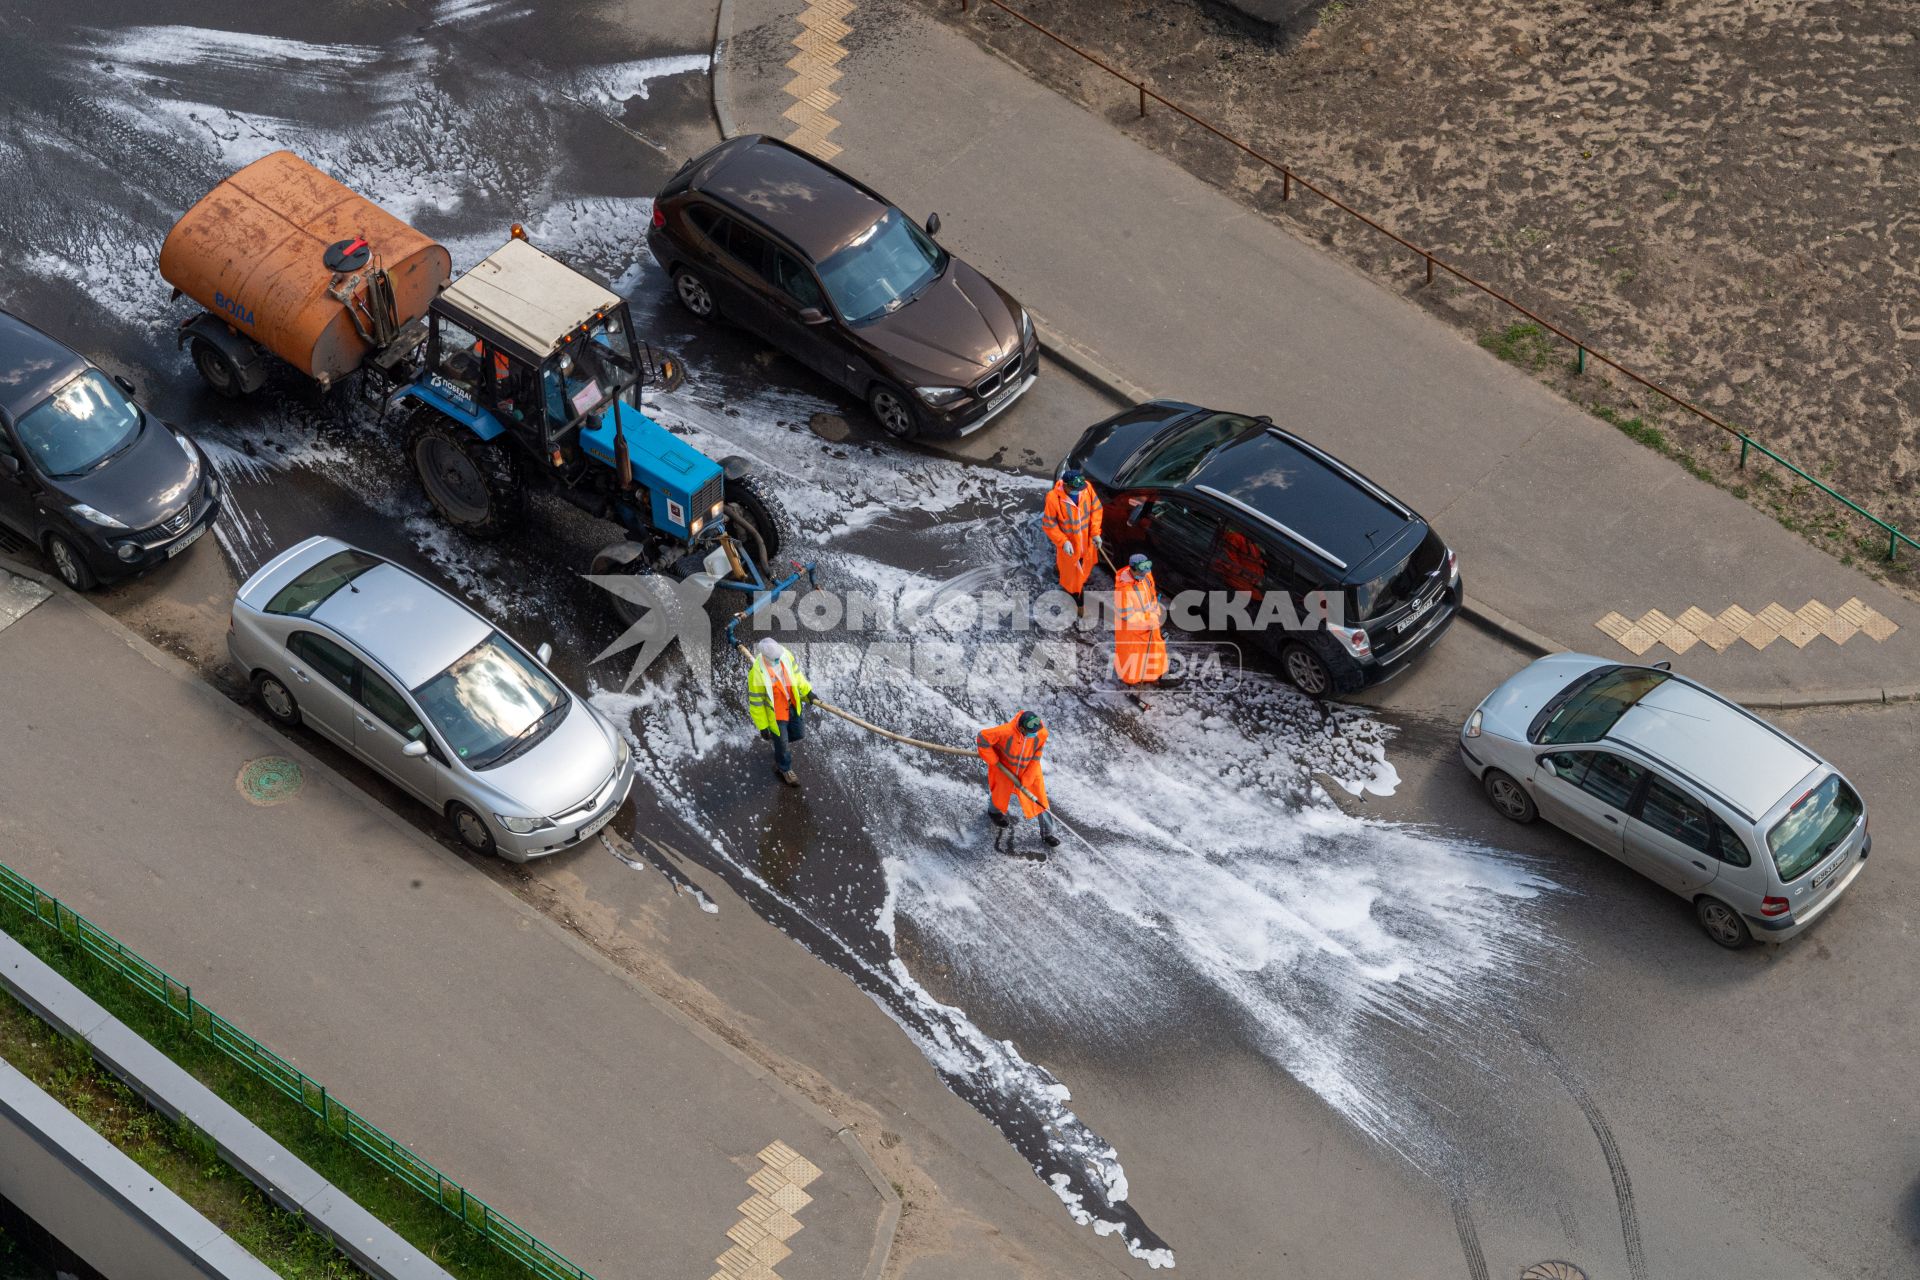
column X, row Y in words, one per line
column 1553, row 1271
column 268, row 780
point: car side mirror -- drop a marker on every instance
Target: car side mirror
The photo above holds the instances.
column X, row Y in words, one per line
column 812, row 315
column 1137, row 513
column 933, row 224
column 414, row 750
column 544, row 653
column 9, row 464
column 125, row 384
column 1549, row 762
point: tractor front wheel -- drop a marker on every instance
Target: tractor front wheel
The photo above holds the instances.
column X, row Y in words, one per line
column 758, row 522
column 472, row 483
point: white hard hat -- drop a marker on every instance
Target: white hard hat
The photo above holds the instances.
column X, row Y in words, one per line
column 769, row 649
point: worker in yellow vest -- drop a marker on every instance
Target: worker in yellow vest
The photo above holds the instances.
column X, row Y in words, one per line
column 777, row 694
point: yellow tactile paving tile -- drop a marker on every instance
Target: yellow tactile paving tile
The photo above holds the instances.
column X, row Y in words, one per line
column 767, row 1218
column 1798, row 627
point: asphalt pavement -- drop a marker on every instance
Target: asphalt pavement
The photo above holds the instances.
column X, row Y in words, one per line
column 425, row 996
column 1317, row 1045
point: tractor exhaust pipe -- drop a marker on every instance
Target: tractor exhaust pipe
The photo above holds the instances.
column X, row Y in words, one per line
column 622, row 457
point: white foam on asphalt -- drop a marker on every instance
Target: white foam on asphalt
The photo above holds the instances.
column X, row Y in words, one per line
column 1217, row 871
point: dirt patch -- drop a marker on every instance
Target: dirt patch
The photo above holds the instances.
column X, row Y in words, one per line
column 1718, row 193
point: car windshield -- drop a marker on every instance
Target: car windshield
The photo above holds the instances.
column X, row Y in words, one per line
column 1586, row 709
column 79, row 426
column 1814, row 827
column 583, row 377
column 493, row 703
column 1179, row 455
column 1399, row 585
column 314, row 584
column 882, row 270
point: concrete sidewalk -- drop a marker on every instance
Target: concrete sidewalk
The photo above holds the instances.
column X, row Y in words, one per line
column 1563, row 524
column 419, row 991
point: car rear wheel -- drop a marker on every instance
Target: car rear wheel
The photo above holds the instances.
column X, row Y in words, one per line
column 216, row 370
column 277, row 699
column 1722, row 923
column 1306, row 670
column 472, row 830
column 471, row 482
column 694, row 295
column 1508, row 796
column 70, row 564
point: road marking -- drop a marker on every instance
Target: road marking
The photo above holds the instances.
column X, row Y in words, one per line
column 816, row 69
column 18, row 596
column 767, row 1217
column 1798, row 627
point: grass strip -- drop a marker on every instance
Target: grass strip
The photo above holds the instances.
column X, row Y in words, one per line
column 180, row 1156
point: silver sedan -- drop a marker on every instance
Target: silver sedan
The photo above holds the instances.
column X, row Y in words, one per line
column 432, row 695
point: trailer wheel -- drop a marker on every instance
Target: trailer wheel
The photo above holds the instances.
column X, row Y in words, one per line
column 758, row 521
column 217, row 370
column 472, row 483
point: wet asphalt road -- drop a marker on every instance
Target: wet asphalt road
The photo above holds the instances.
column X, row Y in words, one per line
column 1229, row 968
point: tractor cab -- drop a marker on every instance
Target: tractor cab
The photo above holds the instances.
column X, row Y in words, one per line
column 537, row 345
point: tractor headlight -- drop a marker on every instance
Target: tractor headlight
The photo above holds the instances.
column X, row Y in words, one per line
column 522, row 826
column 937, row 396
column 92, row 516
column 696, row 526
column 714, row 510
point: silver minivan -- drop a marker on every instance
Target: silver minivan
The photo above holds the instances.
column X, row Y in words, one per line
column 432, row 695
column 1690, row 790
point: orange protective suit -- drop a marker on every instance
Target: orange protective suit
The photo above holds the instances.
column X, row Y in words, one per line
column 1139, row 651
column 1004, row 744
column 1076, row 523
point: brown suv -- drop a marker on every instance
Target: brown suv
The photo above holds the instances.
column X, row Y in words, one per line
column 825, row 269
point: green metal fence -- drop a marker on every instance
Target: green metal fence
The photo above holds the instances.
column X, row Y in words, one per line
column 176, row 998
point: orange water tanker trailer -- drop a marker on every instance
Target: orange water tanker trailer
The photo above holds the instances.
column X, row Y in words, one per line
column 290, row 263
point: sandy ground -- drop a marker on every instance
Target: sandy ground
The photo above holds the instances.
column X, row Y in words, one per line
column 1718, row 193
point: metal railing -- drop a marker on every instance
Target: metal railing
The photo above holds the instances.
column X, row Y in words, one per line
column 176, row 998
column 1582, row 350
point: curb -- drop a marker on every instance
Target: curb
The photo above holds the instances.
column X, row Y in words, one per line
column 179, row 670
column 719, row 84
column 1079, row 360
column 1500, row 626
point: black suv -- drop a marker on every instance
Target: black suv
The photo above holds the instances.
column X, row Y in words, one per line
column 86, row 475
column 825, row 269
column 1225, row 503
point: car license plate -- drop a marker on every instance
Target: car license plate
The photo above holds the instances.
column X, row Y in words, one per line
column 1825, row 878
column 594, row 828
column 186, row 542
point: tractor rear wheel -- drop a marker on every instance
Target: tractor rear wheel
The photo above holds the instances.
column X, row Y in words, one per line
column 758, row 522
column 472, row 483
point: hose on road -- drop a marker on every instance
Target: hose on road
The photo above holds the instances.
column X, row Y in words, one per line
column 924, row 745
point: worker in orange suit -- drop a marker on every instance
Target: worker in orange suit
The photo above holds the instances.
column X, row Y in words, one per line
column 1139, row 650
column 1012, row 752
column 1072, row 525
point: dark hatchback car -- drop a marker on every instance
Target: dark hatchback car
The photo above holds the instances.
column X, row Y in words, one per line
column 89, row 477
column 1227, row 503
column 825, row 269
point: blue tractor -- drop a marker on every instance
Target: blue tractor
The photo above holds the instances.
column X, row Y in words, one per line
column 530, row 378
